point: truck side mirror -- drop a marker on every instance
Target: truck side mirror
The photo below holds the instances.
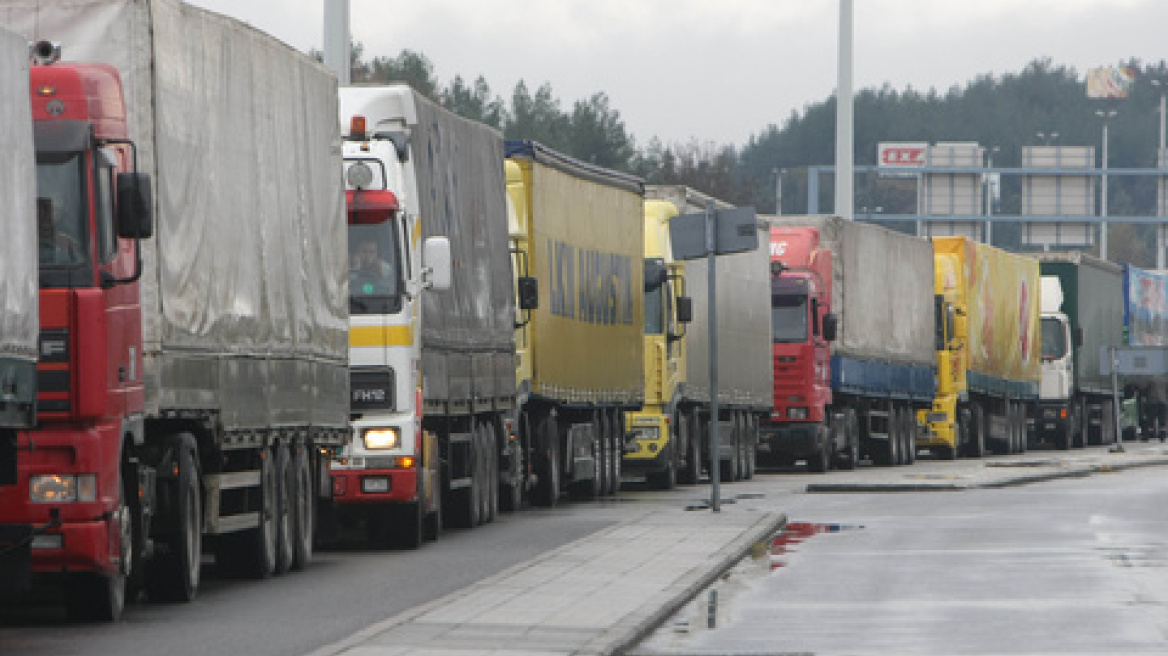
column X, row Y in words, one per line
column 436, row 260
column 830, row 327
column 528, row 287
column 684, row 309
column 655, row 274
column 135, row 206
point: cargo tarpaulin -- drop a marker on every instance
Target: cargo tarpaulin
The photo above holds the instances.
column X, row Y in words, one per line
column 244, row 290
column 18, row 247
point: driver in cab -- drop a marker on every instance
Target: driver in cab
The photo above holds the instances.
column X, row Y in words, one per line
column 370, row 274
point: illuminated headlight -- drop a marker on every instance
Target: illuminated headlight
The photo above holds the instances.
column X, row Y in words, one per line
column 381, row 438
column 55, row 488
column 375, row 484
column 796, row 413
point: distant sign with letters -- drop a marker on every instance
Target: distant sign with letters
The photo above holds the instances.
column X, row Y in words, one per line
column 895, row 157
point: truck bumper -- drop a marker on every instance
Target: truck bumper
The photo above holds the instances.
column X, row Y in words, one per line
column 367, row 486
column 71, row 547
column 1051, row 420
column 789, row 440
column 649, row 444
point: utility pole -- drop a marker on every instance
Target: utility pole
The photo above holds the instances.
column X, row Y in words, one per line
column 1106, row 116
column 844, row 128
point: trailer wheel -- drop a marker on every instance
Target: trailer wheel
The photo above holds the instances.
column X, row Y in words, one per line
column 1084, row 425
column 910, row 435
column 252, row 553
column 617, row 435
column 490, row 471
column 547, row 463
column 285, row 497
column 511, row 491
column 977, row 432
column 588, row 489
column 728, row 468
column 687, row 438
column 750, row 426
column 851, row 428
column 174, row 573
column 303, row 515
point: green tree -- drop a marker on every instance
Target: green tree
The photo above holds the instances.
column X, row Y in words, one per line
column 475, row 102
column 597, row 135
column 537, row 118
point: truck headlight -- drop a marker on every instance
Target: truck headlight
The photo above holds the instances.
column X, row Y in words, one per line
column 62, row 488
column 381, row 438
column 796, row 413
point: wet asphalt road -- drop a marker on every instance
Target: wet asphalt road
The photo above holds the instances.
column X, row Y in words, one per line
column 1074, row 566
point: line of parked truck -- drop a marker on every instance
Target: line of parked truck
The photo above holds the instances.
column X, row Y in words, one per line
column 263, row 310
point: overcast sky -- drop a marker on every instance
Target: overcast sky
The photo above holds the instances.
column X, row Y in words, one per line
column 721, row 70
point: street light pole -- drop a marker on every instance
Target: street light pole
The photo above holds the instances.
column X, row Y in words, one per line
column 989, row 195
column 779, row 191
column 1105, row 115
column 1161, row 158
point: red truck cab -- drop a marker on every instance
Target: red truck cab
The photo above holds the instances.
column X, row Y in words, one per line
column 69, row 511
column 802, row 324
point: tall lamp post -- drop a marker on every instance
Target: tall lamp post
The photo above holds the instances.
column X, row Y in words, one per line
column 989, row 196
column 1161, row 161
column 1106, row 115
column 779, row 191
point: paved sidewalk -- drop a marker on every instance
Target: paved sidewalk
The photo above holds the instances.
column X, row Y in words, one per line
column 594, row 596
column 1031, row 467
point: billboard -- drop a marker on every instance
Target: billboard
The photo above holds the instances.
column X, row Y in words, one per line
column 1110, row 81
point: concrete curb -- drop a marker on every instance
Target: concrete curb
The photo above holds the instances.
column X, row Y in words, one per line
column 681, row 593
column 997, row 480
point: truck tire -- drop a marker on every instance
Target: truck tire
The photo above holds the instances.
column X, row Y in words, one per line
column 173, row 574
column 689, row 436
column 589, row 488
column 252, row 553
column 96, row 597
column 491, row 464
column 303, row 509
column 910, row 435
column 666, row 478
column 285, row 498
column 750, row 422
column 604, row 461
column 820, row 461
column 617, row 450
column 406, row 525
column 728, row 469
column 1083, row 424
column 511, row 491
column 546, row 492
column 977, row 432
column 849, row 459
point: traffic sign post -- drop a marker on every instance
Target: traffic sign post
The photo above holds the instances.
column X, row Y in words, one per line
column 713, row 233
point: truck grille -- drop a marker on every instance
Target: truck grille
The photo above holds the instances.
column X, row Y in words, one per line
column 371, row 390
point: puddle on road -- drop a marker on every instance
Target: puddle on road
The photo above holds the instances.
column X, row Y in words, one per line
column 794, row 534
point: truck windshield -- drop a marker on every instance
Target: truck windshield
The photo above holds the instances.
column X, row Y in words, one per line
column 1054, row 339
column 789, row 317
column 62, row 228
column 375, row 280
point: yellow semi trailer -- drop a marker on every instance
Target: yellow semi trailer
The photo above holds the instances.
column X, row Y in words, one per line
column 577, row 246
column 988, row 349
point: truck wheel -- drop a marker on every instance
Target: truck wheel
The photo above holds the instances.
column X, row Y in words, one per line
column 977, row 432
column 728, row 469
column 820, row 461
column 851, row 456
column 547, row 464
column 407, row 525
column 666, row 479
column 252, row 553
column 589, row 489
column 285, row 498
column 603, row 430
column 687, row 439
column 511, row 491
column 173, row 573
column 491, row 466
column 617, row 450
column 433, row 520
column 303, row 507
column 750, row 422
column 910, row 435
column 93, row 597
